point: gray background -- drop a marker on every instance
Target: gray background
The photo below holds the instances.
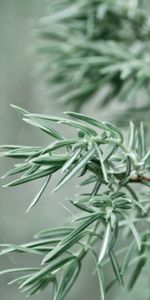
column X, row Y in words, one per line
column 19, row 85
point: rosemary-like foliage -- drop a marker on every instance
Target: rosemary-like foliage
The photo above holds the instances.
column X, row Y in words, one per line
column 116, row 173
column 88, row 45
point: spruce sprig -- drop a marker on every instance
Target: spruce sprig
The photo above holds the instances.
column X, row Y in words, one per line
column 103, row 159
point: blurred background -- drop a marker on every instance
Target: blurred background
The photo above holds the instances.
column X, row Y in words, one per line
column 19, row 85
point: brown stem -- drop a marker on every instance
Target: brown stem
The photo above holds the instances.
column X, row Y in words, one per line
column 138, row 179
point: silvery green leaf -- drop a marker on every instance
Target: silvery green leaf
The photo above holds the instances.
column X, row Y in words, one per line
column 79, row 165
column 105, row 243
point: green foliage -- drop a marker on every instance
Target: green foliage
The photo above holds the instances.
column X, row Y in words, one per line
column 110, row 167
column 88, row 45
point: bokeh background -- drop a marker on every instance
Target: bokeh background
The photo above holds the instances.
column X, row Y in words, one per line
column 20, row 85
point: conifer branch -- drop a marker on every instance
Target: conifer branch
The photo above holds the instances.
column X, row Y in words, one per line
column 100, row 156
column 86, row 46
